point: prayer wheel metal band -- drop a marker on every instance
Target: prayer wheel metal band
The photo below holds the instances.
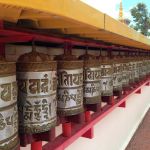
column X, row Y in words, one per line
column 6, row 70
column 91, row 63
column 69, row 64
column 36, row 66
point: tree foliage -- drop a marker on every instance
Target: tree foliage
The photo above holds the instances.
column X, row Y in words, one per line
column 141, row 19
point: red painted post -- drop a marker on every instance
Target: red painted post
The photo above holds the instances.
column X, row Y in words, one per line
column 66, row 129
column 36, row 145
column 138, row 91
column 112, row 100
column 87, row 116
column 123, row 104
column 90, row 133
column 147, row 84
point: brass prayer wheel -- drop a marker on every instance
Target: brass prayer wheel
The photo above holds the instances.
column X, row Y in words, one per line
column 117, row 74
column 125, row 72
column 70, row 85
column 8, row 106
column 91, row 79
column 146, row 65
column 131, row 70
column 37, row 92
column 106, row 76
column 137, row 65
column 140, row 62
column 143, row 69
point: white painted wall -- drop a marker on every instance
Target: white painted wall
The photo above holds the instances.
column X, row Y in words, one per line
column 115, row 130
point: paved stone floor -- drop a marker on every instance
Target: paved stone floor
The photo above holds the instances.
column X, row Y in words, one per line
column 141, row 139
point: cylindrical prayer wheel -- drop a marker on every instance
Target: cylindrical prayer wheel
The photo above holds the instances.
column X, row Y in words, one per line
column 106, row 77
column 117, row 74
column 136, row 74
column 37, row 92
column 125, row 72
column 70, row 85
column 146, row 65
column 131, row 70
column 140, row 62
column 143, row 70
column 9, row 139
column 91, row 79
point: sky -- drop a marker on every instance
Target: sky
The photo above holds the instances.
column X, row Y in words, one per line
column 111, row 7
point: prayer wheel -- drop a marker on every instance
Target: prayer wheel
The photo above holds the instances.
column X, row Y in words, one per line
column 117, row 74
column 140, row 62
column 70, row 84
column 91, row 79
column 106, row 76
column 8, row 106
column 131, row 70
column 143, row 67
column 37, row 92
column 146, row 65
column 125, row 72
column 137, row 73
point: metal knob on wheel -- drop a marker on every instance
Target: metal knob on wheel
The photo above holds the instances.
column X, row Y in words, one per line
column 70, row 84
column 9, row 139
column 37, row 94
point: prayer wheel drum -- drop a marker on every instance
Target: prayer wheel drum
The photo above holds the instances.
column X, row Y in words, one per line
column 91, row 79
column 9, row 139
column 131, row 70
column 117, row 74
column 137, row 72
column 37, row 92
column 70, row 85
column 125, row 72
column 106, row 77
column 140, row 63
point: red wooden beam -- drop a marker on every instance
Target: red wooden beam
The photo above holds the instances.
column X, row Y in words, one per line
column 51, row 38
column 16, row 38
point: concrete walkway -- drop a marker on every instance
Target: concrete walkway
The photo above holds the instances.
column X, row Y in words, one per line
column 141, row 139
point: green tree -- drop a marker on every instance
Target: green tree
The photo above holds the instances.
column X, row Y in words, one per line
column 141, row 19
